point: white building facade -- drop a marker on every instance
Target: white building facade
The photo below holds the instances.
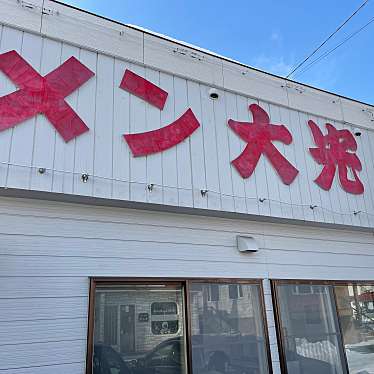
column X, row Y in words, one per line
column 128, row 246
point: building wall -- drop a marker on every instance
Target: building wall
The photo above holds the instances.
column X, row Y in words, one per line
column 48, row 251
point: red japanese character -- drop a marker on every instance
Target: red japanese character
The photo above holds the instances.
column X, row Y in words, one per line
column 45, row 95
column 146, row 143
column 259, row 135
column 333, row 152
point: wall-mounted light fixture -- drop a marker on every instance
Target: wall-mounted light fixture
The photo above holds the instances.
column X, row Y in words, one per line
column 213, row 94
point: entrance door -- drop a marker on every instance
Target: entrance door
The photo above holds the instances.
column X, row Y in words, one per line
column 127, row 328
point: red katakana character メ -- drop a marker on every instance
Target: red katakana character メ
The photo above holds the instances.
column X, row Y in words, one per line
column 259, row 136
column 333, row 152
column 45, row 95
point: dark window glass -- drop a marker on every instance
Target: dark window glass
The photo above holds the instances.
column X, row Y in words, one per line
column 214, row 292
column 139, row 329
column 110, row 324
column 233, row 291
column 228, row 334
column 312, row 341
column 356, row 314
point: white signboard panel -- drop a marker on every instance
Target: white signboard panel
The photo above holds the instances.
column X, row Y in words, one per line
column 200, row 171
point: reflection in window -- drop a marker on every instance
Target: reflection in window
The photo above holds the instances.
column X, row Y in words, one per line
column 227, row 330
column 356, row 314
column 164, row 308
column 312, row 341
column 139, row 329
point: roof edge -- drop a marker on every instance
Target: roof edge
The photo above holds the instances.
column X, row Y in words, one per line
column 210, row 53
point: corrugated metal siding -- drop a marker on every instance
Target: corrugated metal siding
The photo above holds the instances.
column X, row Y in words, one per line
column 179, row 174
column 49, row 250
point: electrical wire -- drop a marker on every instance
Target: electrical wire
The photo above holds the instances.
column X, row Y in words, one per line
column 259, row 200
column 327, row 53
column 327, row 39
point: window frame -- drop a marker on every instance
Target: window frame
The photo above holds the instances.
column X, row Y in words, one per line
column 313, row 282
column 186, row 283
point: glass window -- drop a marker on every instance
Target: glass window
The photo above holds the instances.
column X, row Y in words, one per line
column 310, row 329
column 227, row 330
column 139, row 329
column 356, row 315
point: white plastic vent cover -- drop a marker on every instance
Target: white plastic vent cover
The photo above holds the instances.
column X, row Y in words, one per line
column 246, row 244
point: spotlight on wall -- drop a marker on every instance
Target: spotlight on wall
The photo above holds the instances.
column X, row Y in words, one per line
column 84, row 177
column 357, row 131
column 41, row 170
column 150, row 187
column 246, row 244
column 313, row 206
column 213, row 94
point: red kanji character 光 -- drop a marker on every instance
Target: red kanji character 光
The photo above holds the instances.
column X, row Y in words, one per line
column 45, row 95
column 333, row 152
column 259, row 136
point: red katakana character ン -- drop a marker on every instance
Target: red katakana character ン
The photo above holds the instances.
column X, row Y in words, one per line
column 333, row 152
column 45, row 95
column 259, row 136
column 146, row 143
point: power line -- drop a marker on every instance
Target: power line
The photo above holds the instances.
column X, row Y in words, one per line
column 327, row 39
column 327, row 53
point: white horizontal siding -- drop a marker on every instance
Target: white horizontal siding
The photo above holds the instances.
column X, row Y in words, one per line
column 41, row 354
column 201, row 161
column 75, row 368
column 19, row 332
column 42, row 308
column 49, row 250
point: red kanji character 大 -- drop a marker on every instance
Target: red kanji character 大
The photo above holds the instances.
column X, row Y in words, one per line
column 259, row 136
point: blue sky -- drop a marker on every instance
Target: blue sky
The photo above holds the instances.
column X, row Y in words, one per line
column 270, row 35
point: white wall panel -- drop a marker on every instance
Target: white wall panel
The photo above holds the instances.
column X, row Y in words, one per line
column 223, row 149
column 44, row 134
column 76, row 368
column 84, row 145
column 254, row 83
column 41, row 354
column 103, row 134
column 166, row 55
column 236, row 146
column 314, row 101
column 43, row 308
column 49, row 250
column 154, row 162
column 185, row 190
column 210, row 153
column 64, row 154
column 65, row 23
column 23, row 136
column 24, row 14
column 11, row 39
column 169, row 157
